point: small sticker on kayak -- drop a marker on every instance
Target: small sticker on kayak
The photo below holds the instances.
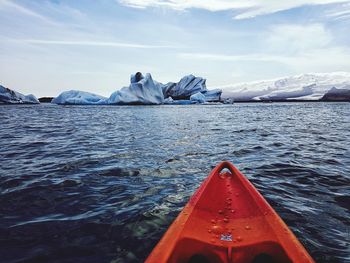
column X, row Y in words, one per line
column 227, row 237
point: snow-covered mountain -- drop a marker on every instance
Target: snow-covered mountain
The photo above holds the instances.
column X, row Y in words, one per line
column 311, row 86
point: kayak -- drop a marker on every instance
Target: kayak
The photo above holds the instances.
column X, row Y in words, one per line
column 228, row 220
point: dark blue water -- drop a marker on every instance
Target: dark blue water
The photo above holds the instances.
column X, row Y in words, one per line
column 102, row 184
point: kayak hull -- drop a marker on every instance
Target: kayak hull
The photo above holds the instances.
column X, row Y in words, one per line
column 227, row 220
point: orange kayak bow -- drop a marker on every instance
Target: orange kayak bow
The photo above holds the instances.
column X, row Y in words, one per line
column 228, row 220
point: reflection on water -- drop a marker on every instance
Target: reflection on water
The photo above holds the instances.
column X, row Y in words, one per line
column 102, row 184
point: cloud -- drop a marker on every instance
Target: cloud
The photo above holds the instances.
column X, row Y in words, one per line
column 263, row 7
column 299, row 47
column 11, row 5
column 211, row 5
column 329, row 59
column 226, row 57
column 246, row 8
column 340, row 13
column 294, row 38
column 91, row 43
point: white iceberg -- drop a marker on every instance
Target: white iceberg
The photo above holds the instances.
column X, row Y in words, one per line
column 8, row 96
column 142, row 90
column 186, row 87
column 76, row 97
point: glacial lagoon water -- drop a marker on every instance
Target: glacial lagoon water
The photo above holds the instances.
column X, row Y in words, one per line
column 103, row 183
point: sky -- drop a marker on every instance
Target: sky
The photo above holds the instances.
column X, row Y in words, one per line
column 48, row 46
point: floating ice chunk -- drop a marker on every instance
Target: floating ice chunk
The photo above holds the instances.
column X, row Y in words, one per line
column 228, row 101
column 14, row 97
column 168, row 100
column 182, row 102
column 79, row 98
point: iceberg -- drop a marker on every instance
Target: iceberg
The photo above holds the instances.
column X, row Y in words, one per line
column 142, row 90
column 186, row 87
column 76, row 97
column 8, row 96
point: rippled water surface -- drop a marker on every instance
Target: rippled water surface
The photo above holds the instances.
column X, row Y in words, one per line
column 102, row 184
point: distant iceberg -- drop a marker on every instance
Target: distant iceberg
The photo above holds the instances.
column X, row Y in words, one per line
column 76, row 97
column 143, row 90
column 8, row 96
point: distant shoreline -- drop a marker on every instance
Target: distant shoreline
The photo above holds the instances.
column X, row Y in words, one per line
column 280, row 101
column 48, row 100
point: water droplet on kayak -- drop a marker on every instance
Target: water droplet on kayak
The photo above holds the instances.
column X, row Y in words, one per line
column 237, row 194
column 226, row 220
column 232, row 211
column 220, row 211
column 213, row 221
column 265, row 213
column 217, row 236
column 239, row 238
column 217, row 229
column 247, row 227
column 212, row 240
column 209, row 231
column 229, row 199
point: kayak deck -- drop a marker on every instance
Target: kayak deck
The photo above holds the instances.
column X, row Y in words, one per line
column 227, row 220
